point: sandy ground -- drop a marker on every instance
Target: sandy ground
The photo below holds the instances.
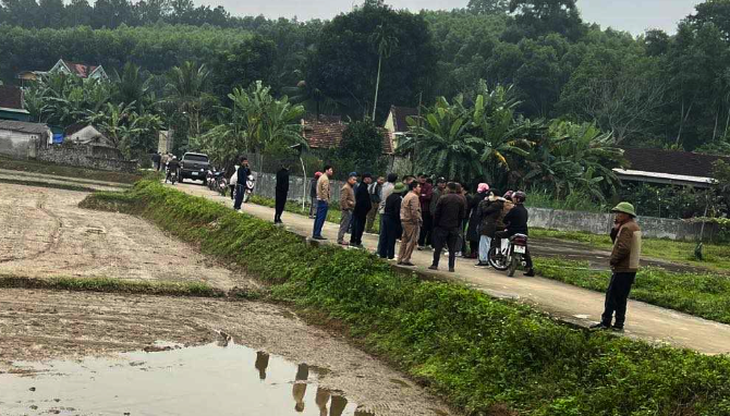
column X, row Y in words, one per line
column 570, row 303
column 45, row 325
column 43, row 233
column 39, row 177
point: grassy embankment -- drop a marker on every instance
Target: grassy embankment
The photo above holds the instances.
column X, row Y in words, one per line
column 33, row 166
column 478, row 352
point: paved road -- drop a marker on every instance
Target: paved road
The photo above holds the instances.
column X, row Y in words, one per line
column 578, row 306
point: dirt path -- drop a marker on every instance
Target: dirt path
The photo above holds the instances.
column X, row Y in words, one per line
column 43, row 233
column 570, row 303
column 44, row 325
column 7, row 176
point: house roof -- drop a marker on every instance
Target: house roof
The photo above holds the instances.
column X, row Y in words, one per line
column 81, row 70
column 328, row 135
column 400, row 114
column 74, row 128
column 11, row 97
column 672, row 162
column 23, row 127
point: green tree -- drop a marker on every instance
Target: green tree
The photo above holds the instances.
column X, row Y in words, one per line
column 361, row 147
column 187, row 91
column 248, row 61
column 536, row 18
column 488, row 6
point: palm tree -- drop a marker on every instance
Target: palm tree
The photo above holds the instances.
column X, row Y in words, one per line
column 187, row 90
column 445, row 145
column 384, row 44
column 131, row 86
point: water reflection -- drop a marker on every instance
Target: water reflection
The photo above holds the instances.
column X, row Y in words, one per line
column 182, row 381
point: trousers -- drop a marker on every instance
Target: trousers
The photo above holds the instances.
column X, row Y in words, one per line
column 389, row 231
column 426, row 237
column 358, row 228
column 344, row 225
column 280, row 205
column 408, row 242
column 322, row 208
column 240, row 191
column 617, row 297
column 448, row 237
column 485, row 243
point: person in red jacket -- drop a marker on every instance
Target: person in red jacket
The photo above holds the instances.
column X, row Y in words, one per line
column 424, row 240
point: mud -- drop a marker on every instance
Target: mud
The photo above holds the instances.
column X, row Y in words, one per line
column 37, row 179
column 43, row 233
column 90, row 353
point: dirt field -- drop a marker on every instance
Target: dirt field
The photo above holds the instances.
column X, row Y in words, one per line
column 43, row 233
column 43, row 325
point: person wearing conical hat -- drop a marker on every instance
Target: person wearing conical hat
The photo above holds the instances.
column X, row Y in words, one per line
column 625, row 257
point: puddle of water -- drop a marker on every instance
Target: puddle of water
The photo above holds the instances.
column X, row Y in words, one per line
column 207, row 380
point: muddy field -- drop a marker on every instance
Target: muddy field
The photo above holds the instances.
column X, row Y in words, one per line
column 43, row 233
column 49, row 325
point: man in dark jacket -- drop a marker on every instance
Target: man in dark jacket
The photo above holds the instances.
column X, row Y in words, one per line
column 390, row 222
column 282, row 191
column 448, row 219
column 363, row 205
column 243, row 173
column 156, row 158
column 516, row 222
column 313, row 194
column 490, row 209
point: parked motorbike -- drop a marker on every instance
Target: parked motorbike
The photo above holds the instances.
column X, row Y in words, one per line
column 221, row 183
column 510, row 254
column 210, row 179
column 250, row 185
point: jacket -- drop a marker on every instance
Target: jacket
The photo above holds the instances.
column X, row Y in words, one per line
column 347, row 197
column 435, row 198
column 450, row 212
column 243, row 173
column 363, row 203
column 626, row 253
column 489, row 213
column 410, row 209
column 516, row 220
column 282, row 182
column 375, row 192
column 426, row 197
column 506, row 208
column 392, row 205
column 385, row 192
column 313, row 188
column 323, row 188
column 472, row 233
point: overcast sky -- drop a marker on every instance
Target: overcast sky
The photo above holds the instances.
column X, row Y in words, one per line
column 631, row 15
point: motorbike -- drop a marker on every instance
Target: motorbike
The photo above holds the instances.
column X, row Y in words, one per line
column 210, row 179
column 510, row 254
column 173, row 176
column 221, row 183
column 250, row 185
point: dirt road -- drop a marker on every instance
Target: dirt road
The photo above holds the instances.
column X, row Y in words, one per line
column 45, row 325
column 570, row 303
column 43, row 233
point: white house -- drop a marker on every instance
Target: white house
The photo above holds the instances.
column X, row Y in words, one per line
column 19, row 138
column 67, row 67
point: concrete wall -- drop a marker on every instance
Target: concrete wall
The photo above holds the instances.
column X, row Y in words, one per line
column 539, row 217
column 652, row 227
column 92, row 157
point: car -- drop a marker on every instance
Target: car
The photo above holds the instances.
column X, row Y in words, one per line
column 194, row 166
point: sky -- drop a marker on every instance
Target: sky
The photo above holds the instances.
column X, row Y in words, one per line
column 634, row 16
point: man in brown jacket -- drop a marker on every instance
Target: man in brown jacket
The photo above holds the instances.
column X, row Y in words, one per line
column 626, row 236
column 347, row 204
column 411, row 218
column 323, row 201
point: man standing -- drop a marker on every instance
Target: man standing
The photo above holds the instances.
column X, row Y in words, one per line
column 390, row 226
column 626, row 236
column 241, row 177
column 156, row 159
column 323, row 201
column 448, row 218
column 438, row 191
column 385, row 192
column 426, row 195
column 313, row 194
column 363, row 205
column 282, row 191
column 347, row 204
column 411, row 220
column 375, row 189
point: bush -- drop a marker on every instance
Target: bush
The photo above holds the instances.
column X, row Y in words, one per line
column 476, row 351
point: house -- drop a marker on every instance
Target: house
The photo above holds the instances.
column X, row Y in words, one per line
column 396, row 123
column 669, row 167
column 326, row 133
column 69, row 68
column 84, row 134
column 12, row 104
column 20, row 138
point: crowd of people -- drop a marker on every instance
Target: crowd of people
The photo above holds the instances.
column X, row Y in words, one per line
column 423, row 216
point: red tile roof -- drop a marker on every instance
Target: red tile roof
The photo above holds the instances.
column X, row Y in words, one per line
column 11, row 97
column 324, row 135
column 81, row 70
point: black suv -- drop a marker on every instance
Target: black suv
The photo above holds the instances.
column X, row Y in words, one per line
column 194, row 166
